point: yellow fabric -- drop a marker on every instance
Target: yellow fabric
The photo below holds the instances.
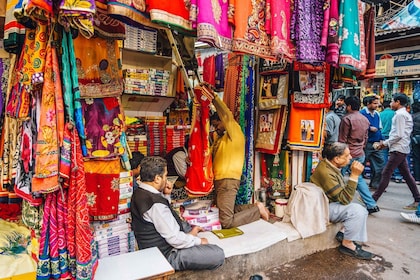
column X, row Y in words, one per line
column 229, row 150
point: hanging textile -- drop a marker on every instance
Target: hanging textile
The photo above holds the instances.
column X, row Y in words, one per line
column 131, row 12
column 220, row 72
column 98, row 67
column 51, row 127
column 10, row 148
column 71, row 89
column 102, row 188
column 210, row 18
column 311, row 85
column 105, row 26
column 249, row 34
column 279, row 22
column 271, row 128
column 244, row 194
column 274, row 91
column 77, row 15
column 352, row 36
column 306, row 30
column 275, row 171
column 232, row 82
column 103, row 125
column 199, row 175
column 4, row 80
column 172, row 13
column 79, row 235
column 333, row 47
column 53, row 261
column 305, row 128
column 14, row 32
column 209, row 70
column 369, row 24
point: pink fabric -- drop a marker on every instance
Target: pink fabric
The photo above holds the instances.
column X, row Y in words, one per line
column 333, row 46
column 325, row 27
column 212, row 24
column 281, row 45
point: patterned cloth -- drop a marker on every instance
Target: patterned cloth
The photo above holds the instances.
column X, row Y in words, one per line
column 210, row 18
column 332, row 39
column 14, row 32
column 131, row 12
column 77, row 14
column 199, row 176
column 249, row 34
column 306, row 27
column 369, row 23
column 352, row 36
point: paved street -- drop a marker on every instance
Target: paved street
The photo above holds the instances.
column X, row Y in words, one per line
column 395, row 242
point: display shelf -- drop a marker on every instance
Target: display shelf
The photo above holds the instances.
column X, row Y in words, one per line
column 146, row 103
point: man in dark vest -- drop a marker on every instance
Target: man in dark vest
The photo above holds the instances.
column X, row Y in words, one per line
column 156, row 224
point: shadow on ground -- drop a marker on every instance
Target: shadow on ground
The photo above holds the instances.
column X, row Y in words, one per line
column 329, row 264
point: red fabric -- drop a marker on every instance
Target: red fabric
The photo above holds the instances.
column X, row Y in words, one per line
column 209, row 70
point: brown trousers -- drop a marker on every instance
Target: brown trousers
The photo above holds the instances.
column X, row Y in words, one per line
column 231, row 215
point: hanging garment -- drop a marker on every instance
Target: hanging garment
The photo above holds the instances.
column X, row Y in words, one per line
column 305, row 128
column 173, row 13
column 53, row 259
column 333, row 47
column 10, row 152
column 105, row 26
column 98, row 67
column 79, row 234
column 271, row 128
column 246, row 187
column 249, row 34
column 210, row 18
column 103, row 124
column 209, row 70
column 14, row 32
column 77, row 15
column 4, row 80
column 220, row 72
column 369, row 24
column 306, row 31
column 71, row 89
column 102, row 188
column 352, row 36
column 280, row 14
column 131, row 12
column 51, row 127
column 199, row 175
column 232, row 81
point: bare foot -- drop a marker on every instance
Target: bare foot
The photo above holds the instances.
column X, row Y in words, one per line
column 265, row 214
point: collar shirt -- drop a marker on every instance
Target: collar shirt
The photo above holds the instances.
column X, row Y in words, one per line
column 399, row 136
column 354, row 132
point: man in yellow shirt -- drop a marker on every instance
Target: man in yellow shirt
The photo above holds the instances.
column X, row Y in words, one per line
column 228, row 152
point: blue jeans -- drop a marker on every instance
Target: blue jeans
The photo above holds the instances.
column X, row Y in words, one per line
column 362, row 187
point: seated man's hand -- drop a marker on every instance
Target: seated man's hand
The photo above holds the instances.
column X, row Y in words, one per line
column 356, row 169
column 204, row 241
column 195, row 230
column 168, row 188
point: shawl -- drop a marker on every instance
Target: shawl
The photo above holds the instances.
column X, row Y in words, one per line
column 220, row 72
column 352, row 36
column 332, row 39
column 50, row 129
column 369, row 23
column 98, row 67
column 172, row 13
column 209, row 70
column 10, row 143
column 78, row 15
column 199, row 176
column 106, row 26
column 249, row 34
column 211, row 20
column 279, row 26
column 232, row 81
column 14, row 32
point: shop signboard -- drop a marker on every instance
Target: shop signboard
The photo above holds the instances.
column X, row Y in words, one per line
column 406, row 62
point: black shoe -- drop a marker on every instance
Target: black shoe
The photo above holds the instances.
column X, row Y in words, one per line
column 359, row 253
column 373, row 210
column 256, row 277
column 339, row 236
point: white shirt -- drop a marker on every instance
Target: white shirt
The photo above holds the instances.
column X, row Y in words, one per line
column 167, row 226
column 399, row 136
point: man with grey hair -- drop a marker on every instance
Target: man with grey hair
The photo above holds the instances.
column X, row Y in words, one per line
column 156, row 224
column 327, row 176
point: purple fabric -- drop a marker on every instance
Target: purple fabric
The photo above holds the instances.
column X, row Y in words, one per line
column 220, row 72
column 306, row 30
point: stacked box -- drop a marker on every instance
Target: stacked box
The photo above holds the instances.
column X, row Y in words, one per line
column 141, row 39
column 175, row 136
column 116, row 237
column 146, row 81
column 155, row 129
column 200, row 213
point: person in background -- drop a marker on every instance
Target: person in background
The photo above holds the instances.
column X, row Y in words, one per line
column 228, row 154
column 156, row 224
column 332, row 121
column 415, row 141
column 374, row 156
column 177, row 160
column 354, row 132
column 386, row 119
column 340, row 106
column 327, row 175
column 399, row 147
column 136, row 158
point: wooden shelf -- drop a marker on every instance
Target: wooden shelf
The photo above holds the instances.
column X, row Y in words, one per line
column 146, row 103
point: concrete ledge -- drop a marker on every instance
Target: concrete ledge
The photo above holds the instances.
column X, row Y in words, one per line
column 243, row 266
